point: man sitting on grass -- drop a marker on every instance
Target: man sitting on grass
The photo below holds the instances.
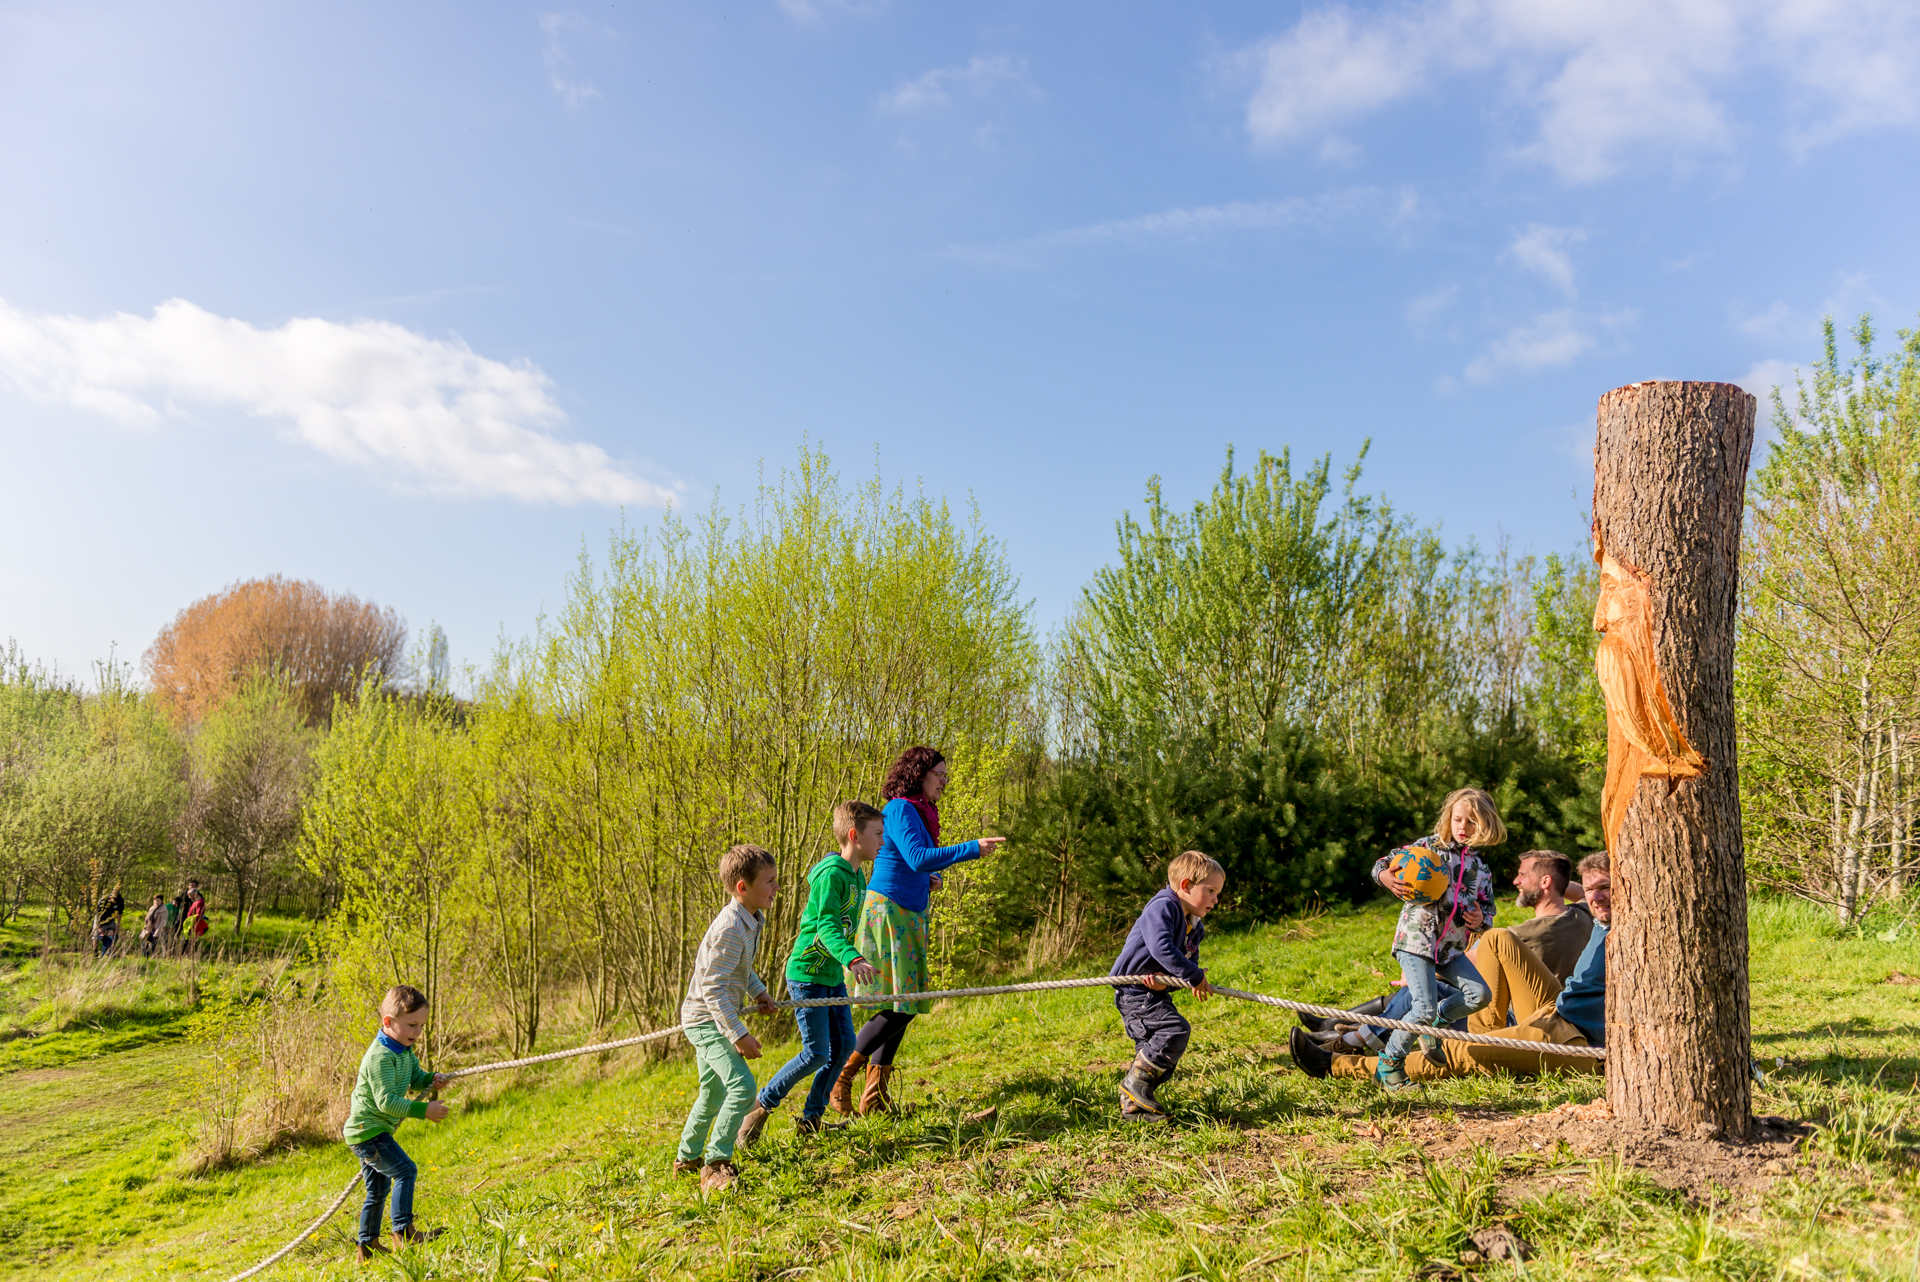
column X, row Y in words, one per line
column 1544, row 1010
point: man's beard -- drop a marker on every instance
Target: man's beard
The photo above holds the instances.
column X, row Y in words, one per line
column 1530, row 898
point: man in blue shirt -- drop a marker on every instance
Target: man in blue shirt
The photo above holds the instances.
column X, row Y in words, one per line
column 1546, row 1011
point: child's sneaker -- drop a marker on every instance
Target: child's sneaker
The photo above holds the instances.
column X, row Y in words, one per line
column 1430, row 1045
column 718, row 1177
column 1392, row 1076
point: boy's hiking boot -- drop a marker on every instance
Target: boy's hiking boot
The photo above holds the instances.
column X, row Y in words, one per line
column 370, row 1249
column 841, row 1101
column 685, row 1168
column 1309, row 1056
column 874, row 1099
column 409, row 1236
column 1392, row 1076
column 815, row 1126
column 1137, row 1103
column 717, row 1177
column 750, row 1127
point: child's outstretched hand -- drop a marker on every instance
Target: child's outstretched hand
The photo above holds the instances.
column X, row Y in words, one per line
column 764, row 1004
column 863, row 971
column 748, row 1046
column 1203, row 990
column 437, row 1112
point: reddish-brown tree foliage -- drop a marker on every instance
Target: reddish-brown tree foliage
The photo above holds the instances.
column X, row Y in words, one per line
column 322, row 644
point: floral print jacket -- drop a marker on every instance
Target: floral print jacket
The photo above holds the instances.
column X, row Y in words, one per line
column 1436, row 930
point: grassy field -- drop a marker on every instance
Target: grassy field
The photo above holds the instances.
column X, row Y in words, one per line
column 1269, row 1173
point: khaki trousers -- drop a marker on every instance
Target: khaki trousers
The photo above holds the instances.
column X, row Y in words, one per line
column 1517, row 979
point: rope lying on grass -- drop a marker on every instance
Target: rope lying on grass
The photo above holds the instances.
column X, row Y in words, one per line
column 999, row 990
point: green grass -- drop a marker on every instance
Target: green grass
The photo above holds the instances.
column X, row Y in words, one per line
column 1268, row 1173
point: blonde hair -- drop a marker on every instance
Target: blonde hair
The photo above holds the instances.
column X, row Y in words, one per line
column 851, row 816
column 1191, row 865
column 1487, row 828
column 402, row 999
column 743, row 863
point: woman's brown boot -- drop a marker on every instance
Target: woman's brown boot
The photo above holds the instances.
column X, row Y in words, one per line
column 875, row 1098
column 841, row 1100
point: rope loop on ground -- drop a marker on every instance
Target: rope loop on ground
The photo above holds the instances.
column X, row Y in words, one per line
column 997, row 990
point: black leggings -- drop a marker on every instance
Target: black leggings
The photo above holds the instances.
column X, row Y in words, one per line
column 880, row 1038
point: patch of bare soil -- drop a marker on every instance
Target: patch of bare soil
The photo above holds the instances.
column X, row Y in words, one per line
column 1702, row 1166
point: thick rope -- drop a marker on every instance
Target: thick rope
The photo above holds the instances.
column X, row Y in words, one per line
column 305, row 1233
column 999, row 990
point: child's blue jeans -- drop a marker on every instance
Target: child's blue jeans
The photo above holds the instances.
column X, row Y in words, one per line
column 826, row 1038
column 1419, row 971
column 384, row 1164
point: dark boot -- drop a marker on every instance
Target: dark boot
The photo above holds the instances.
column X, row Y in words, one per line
column 875, row 1098
column 403, row 1238
column 370, row 1249
column 1137, row 1103
column 1309, row 1056
column 1323, row 1023
column 841, row 1101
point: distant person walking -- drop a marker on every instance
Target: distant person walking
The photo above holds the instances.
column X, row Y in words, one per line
column 194, row 924
column 154, row 926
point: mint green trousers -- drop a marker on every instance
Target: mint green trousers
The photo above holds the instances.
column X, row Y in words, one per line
column 726, row 1093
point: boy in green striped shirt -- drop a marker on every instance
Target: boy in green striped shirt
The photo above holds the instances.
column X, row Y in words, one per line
column 822, row 952
column 388, row 1074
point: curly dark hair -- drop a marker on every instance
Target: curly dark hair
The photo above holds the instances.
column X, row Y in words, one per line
column 906, row 775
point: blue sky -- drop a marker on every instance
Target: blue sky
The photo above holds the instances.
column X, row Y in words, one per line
column 410, row 300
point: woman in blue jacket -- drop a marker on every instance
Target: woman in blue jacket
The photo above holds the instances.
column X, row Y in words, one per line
column 893, row 918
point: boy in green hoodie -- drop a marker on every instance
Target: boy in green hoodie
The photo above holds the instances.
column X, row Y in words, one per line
column 388, row 1073
column 823, row 952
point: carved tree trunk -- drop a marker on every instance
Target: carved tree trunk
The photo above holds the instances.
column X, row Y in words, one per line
column 1670, row 472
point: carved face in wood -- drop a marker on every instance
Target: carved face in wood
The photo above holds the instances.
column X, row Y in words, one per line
column 1643, row 738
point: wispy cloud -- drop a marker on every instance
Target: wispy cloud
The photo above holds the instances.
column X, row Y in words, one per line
column 370, row 394
column 573, row 87
column 1547, row 341
column 1604, row 84
column 810, row 11
column 1187, row 223
column 1424, row 309
column 1541, row 250
column 977, row 77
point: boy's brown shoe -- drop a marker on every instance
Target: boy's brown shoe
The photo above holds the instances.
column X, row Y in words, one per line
column 874, row 1099
column 816, row 1125
column 410, row 1235
column 750, row 1127
column 370, row 1249
column 718, row 1177
column 685, row 1168
column 841, row 1101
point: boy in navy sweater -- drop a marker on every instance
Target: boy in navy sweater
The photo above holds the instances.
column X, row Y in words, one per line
column 1165, row 940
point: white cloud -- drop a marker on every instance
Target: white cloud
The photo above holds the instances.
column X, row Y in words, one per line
column 572, row 87
column 1604, row 81
column 936, row 88
column 805, row 11
column 1423, row 309
column 1187, row 223
column 1767, row 375
column 1549, row 340
column 370, row 394
column 1539, row 250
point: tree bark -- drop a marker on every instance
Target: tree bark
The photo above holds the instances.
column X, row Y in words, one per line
column 1670, row 470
